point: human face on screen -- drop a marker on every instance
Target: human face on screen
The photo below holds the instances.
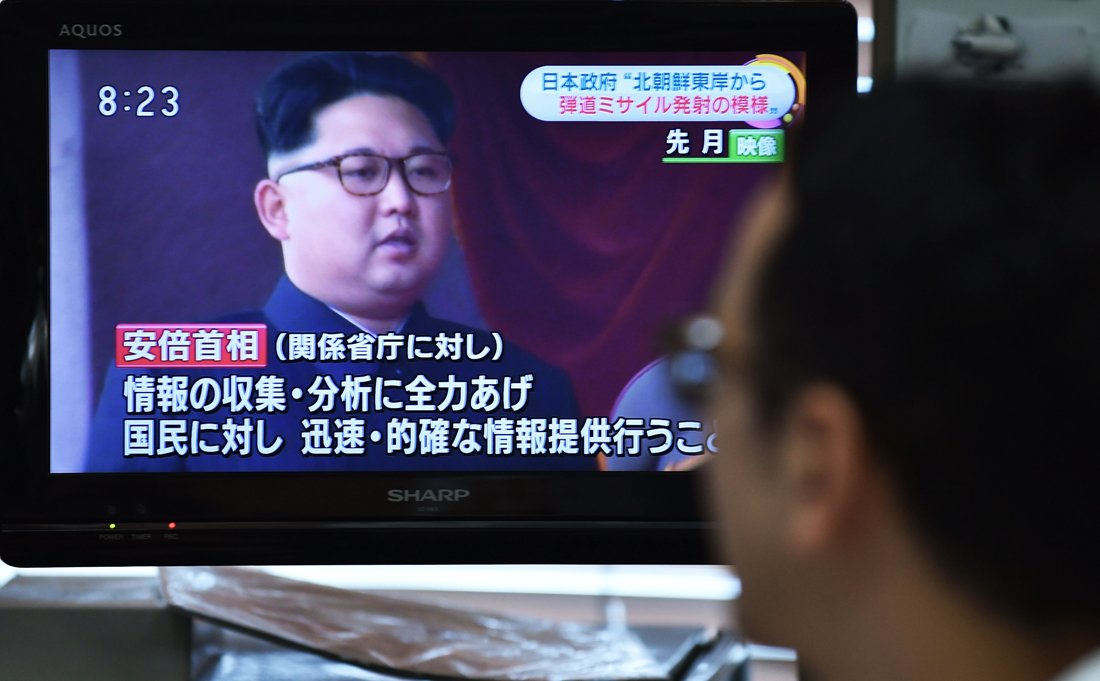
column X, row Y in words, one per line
column 370, row 257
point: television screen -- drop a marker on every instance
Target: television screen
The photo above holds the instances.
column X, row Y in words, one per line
column 286, row 289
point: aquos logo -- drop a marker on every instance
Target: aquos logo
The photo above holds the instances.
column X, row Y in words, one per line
column 90, row 30
column 422, row 495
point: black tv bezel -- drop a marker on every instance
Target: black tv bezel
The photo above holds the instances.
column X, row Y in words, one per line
column 285, row 518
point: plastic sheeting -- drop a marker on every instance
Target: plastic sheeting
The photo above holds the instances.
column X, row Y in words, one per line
column 408, row 637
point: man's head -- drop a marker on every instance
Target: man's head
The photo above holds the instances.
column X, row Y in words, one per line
column 360, row 240
column 908, row 379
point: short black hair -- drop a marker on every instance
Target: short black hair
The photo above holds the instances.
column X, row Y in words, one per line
column 292, row 96
column 943, row 267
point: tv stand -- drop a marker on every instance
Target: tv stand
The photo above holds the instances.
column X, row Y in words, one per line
column 109, row 624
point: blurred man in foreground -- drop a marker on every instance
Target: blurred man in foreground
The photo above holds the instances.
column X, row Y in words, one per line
column 907, row 386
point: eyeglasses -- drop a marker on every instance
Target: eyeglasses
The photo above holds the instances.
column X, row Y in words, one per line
column 701, row 354
column 692, row 360
column 367, row 174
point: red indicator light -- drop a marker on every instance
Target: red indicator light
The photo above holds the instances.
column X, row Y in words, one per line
column 171, row 526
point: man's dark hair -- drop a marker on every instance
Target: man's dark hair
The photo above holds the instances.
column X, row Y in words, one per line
column 943, row 267
column 292, row 96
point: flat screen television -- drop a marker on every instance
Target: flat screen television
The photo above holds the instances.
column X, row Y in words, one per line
column 365, row 282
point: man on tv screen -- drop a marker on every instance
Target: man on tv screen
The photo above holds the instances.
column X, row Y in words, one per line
column 358, row 195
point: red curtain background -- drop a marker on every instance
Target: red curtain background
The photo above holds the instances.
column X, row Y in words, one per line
column 581, row 244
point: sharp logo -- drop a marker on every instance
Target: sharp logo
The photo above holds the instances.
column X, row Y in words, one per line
column 421, row 495
column 90, row 30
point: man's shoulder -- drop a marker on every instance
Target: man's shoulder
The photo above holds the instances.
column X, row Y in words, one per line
column 488, row 353
column 511, row 354
column 244, row 317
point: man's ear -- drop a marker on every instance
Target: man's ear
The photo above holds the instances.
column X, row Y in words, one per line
column 271, row 208
column 827, row 470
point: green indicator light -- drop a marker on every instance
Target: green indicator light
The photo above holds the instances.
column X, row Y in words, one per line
column 111, row 526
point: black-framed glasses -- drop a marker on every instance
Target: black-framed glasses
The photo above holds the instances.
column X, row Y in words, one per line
column 364, row 174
